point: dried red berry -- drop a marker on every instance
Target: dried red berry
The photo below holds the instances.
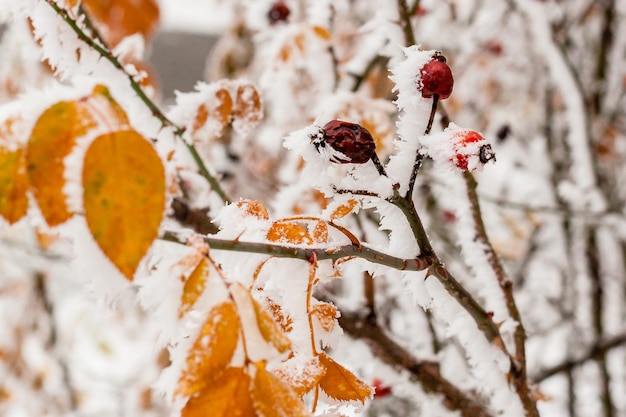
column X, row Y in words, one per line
column 350, row 139
column 279, row 12
column 436, row 78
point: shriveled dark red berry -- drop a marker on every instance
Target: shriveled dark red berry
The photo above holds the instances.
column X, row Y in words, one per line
column 279, row 12
column 436, row 78
column 350, row 139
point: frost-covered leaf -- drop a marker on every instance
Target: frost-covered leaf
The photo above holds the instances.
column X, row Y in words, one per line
column 105, row 109
column 279, row 315
column 340, row 384
column 248, row 108
column 270, row 330
column 194, row 286
column 13, row 184
column 320, row 232
column 301, row 375
column 289, row 233
column 124, row 196
column 212, row 351
column 220, row 112
column 273, row 398
column 344, row 209
column 51, row 141
column 226, row 396
column 118, row 19
column 325, row 314
column 253, row 208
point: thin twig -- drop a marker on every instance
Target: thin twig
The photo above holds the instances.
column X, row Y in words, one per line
column 405, row 22
column 42, row 293
column 600, row 348
column 597, row 313
column 373, row 63
column 156, row 112
column 418, row 155
column 518, row 370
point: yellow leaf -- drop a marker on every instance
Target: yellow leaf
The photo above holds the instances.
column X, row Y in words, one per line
column 226, row 396
column 13, row 184
column 289, row 233
column 212, row 351
column 344, row 209
column 51, row 140
column 325, row 313
column 273, row 398
column 124, row 196
column 270, row 330
column 340, row 384
column 194, row 286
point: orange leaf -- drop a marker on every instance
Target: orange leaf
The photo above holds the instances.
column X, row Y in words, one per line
column 248, row 109
column 325, row 313
column 212, row 351
column 201, row 118
column 344, row 209
column 120, row 18
column 276, row 311
column 340, row 384
column 51, row 140
column 273, row 398
column 224, row 109
column 321, row 32
column 302, row 377
column 13, row 184
column 124, row 196
column 105, row 109
column 228, row 395
column 194, row 286
column 289, row 233
column 270, row 330
column 253, row 208
column 320, row 232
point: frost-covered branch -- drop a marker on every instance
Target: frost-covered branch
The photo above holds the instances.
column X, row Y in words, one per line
column 518, row 371
column 426, row 373
column 156, row 111
column 419, row 263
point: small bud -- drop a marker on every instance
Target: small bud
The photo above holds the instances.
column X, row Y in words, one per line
column 353, row 142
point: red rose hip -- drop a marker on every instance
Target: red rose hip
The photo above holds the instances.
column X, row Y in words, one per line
column 436, row 79
column 350, row 139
